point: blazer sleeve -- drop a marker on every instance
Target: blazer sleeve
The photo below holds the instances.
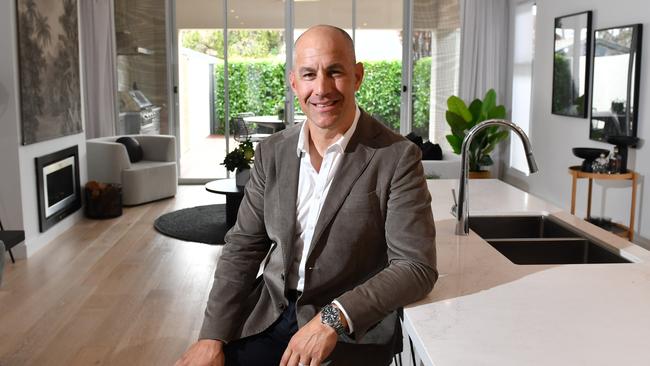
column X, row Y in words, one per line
column 246, row 246
column 410, row 240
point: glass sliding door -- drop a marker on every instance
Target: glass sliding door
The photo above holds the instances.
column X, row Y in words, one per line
column 232, row 56
column 231, row 64
column 378, row 45
column 435, row 38
column 201, row 134
column 256, row 61
column 141, row 45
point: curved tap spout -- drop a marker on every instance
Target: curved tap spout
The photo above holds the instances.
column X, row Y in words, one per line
column 462, row 211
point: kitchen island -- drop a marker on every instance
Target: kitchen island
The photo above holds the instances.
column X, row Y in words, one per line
column 486, row 310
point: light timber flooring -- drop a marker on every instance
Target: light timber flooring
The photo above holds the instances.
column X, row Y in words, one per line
column 110, row 292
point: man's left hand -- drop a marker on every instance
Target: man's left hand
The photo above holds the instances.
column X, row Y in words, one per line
column 310, row 345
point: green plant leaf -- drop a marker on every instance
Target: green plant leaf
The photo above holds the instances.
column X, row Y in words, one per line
column 498, row 112
column 457, row 123
column 475, row 109
column 457, row 105
column 489, row 102
column 494, row 139
column 455, row 142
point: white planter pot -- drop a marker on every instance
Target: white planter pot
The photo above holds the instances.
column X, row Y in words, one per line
column 242, row 177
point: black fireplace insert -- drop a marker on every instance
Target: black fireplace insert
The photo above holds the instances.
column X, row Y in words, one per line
column 57, row 184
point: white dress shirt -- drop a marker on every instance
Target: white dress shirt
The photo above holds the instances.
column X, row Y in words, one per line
column 313, row 187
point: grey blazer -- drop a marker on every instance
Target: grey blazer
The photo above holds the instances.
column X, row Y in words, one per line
column 373, row 247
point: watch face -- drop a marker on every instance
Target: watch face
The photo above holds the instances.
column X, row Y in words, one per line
column 330, row 316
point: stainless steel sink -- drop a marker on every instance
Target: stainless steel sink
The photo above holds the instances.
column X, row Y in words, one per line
column 540, row 240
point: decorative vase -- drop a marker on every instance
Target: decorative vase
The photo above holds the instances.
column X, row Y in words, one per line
column 481, row 174
column 242, row 176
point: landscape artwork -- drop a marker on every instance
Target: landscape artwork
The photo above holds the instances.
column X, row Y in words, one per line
column 48, row 42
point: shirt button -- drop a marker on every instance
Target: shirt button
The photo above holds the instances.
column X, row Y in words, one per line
column 310, row 268
column 282, row 306
column 282, row 276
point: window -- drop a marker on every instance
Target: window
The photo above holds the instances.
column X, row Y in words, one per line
column 522, row 71
column 435, row 61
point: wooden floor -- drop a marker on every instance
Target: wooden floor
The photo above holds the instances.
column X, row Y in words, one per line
column 109, row 292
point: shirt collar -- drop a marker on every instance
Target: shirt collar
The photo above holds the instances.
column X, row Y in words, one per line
column 341, row 143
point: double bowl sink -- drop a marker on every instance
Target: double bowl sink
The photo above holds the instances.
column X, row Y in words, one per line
column 540, row 240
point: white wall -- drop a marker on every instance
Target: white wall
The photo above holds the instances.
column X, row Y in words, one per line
column 553, row 136
column 18, row 199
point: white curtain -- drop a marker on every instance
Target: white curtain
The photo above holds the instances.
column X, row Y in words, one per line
column 483, row 48
column 98, row 49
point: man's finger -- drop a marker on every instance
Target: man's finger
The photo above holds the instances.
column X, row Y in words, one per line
column 285, row 357
column 293, row 361
column 314, row 362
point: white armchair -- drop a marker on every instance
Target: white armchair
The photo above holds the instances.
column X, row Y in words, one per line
column 152, row 178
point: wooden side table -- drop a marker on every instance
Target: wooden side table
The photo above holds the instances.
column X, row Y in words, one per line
column 576, row 173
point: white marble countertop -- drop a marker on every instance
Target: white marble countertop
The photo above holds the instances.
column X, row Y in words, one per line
column 486, row 310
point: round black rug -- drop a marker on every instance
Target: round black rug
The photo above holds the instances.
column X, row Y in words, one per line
column 202, row 224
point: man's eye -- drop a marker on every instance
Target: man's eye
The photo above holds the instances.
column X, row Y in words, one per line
column 308, row 75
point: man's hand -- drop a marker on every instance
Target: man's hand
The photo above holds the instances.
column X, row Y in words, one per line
column 310, row 345
column 205, row 352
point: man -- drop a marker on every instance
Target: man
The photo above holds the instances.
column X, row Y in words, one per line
column 339, row 211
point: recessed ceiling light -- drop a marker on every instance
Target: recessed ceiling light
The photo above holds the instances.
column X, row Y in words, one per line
column 232, row 10
column 236, row 16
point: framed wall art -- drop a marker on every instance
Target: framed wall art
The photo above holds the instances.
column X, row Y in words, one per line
column 571, row 63
column 48, row 59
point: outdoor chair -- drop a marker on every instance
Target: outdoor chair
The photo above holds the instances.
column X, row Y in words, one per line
column 243, row 132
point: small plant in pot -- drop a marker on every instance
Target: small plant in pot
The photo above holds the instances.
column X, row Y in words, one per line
column 462, row 118
column 240, row 159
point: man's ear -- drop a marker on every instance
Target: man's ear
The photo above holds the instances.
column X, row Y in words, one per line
column 292, row 81
column 358, row 74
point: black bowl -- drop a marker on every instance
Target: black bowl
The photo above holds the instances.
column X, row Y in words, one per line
column 588, row 153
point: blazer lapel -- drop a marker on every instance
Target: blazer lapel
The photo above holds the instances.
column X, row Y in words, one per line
column 354, row 161
column 287, row 167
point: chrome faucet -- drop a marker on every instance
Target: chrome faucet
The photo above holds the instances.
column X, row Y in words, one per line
column 462, row 209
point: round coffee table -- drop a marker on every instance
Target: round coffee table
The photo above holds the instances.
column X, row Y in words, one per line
column 234, row 195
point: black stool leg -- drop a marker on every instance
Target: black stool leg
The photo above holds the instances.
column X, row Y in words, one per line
column 12, row 256
column 412, row 351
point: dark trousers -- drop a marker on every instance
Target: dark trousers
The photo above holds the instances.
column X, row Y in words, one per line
column 265, row 348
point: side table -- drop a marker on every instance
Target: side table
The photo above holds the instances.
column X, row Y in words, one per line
column 234, row 195
column 576, row 173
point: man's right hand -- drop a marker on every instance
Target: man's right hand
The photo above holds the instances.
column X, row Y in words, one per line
column 205, row 352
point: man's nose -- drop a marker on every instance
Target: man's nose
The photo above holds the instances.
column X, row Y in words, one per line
column 323, row 84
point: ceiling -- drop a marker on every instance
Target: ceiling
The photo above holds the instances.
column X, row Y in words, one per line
column 269, row 14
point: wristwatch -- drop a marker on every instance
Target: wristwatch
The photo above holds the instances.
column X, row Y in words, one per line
column 330, row 315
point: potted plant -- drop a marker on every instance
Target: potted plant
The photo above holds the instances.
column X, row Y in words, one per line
column 240, row 159
column 462, row 118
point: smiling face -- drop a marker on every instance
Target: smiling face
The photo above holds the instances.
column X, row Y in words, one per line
column 325, row 78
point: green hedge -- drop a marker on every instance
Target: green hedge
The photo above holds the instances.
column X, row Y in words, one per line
column 258, row 87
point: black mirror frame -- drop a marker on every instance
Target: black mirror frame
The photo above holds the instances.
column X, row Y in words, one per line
column 585, row 78
column 635, row 79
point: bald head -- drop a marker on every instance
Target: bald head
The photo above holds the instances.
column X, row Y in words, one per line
column 325, row 34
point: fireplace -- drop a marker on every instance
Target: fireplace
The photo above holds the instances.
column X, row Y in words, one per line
column 57, row 184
